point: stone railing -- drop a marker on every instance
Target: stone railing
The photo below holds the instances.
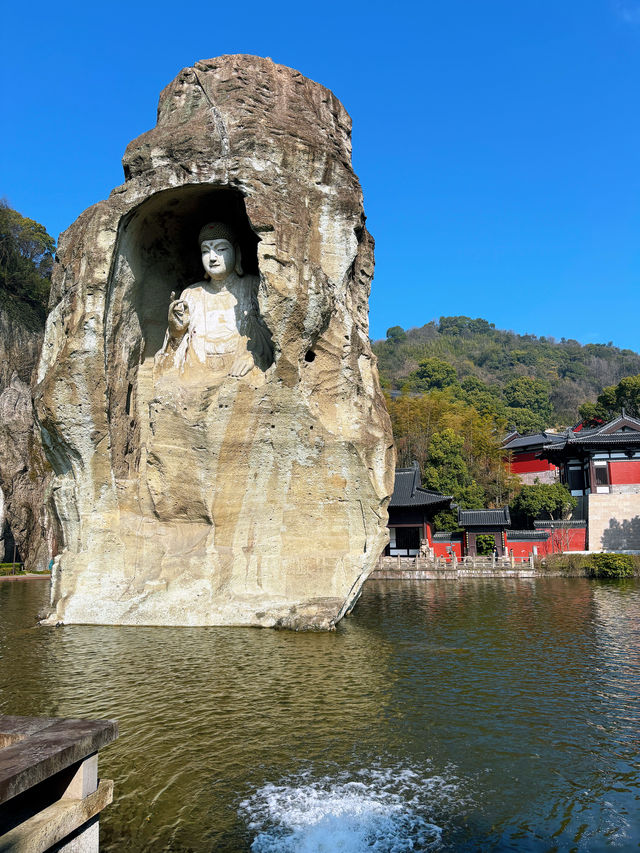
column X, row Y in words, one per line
column 429, row 567
column 50, row 794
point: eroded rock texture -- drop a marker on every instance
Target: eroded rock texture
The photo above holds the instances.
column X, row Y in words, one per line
column 24, row 481
column 24, row 472
column 253, row 500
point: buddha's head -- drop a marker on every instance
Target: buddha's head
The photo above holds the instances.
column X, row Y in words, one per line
column 220, row 251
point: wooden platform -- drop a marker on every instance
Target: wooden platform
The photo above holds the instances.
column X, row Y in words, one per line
column 50, row 794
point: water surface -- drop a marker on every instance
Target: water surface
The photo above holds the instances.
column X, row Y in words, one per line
column 468, row 715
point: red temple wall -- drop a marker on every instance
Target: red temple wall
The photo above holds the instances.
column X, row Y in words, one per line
column 526, row 463
column 624, row 472
column 440, row 549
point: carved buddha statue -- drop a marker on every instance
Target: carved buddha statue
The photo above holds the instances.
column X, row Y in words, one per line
column 215, row 326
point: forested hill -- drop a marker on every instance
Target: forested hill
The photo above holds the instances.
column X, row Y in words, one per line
column 486, row 360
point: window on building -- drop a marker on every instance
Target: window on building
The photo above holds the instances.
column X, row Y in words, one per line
column 404, row 541
column 601, row 472
column 575, row 476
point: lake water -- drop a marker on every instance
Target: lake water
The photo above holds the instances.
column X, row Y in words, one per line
column 470, row 715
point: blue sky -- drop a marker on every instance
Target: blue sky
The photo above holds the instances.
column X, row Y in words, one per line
column 497, row 141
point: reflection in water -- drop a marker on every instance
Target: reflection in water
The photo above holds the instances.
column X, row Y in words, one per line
column 483, row 714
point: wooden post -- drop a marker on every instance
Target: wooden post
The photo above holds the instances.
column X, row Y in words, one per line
column 13, row 564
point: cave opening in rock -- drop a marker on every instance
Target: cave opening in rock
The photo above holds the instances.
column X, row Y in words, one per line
column 9, row 552
column 158, row 253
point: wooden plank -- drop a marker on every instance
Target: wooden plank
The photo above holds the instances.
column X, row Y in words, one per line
column 15, row 729
column 47, row 749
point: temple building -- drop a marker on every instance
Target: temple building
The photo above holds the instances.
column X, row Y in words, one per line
column 601, row 468
column 599, row 465
column 522, row 457
column 412, row 510
column 411, row 513
column 484, row 522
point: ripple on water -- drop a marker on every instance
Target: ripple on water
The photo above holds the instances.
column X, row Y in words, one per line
column 525, row 693
column 389, row 810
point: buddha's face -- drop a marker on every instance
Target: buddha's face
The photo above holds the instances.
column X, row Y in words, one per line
column 218, row 258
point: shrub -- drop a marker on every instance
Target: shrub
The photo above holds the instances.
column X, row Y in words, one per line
column 11, row 569
column 611, row 566
column 567, row 564
column 592, row 565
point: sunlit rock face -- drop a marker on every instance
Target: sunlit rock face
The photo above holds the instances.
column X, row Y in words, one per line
column 252, row 488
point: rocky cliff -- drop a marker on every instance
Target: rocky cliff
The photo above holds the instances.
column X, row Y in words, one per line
column 24, row 472
column 225, row 497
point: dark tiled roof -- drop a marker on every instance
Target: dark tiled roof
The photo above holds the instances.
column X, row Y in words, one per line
column 540, row 522
column 407, row 490
column 619, row 423
column 621, row 431
column 612, row 438
column 447, row 536
column 533, row 440
column 528, row 535
column 484, row 517
column 616, row 439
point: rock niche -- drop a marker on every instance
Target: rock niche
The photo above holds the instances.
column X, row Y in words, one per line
column 206, row 393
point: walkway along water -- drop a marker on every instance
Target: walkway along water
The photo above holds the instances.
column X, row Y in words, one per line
column 437, row 568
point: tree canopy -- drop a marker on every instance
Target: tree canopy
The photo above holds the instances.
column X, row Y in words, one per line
column 433, row 373
column 457, row 447
column 625, row 395
column 541, row 500
column 26, row 259
column 531, row 382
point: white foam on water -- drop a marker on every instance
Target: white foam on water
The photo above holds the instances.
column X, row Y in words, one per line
column 381, row 810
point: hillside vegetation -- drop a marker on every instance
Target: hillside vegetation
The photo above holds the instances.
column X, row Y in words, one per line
column 456, row 387
column 26, row 261
column 530, row 382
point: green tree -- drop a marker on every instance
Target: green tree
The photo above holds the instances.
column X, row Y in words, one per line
column 540, row 500
column 485, row 544
column 485, row 399
column 589, row 414
column 433, row 373
column 447, row 472
column 524, row 392
column 26, row 259
column 396, row 334
column 612, row 400
column 524, row 420
column 464, row 326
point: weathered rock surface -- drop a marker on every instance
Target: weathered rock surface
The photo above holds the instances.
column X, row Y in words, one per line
column 251, row 500
column 24, row 479
column 24, row 472
column 20, row 342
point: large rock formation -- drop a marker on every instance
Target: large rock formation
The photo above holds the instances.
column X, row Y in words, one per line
column 24, row 472
column 253, row 489
column 24, row 481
